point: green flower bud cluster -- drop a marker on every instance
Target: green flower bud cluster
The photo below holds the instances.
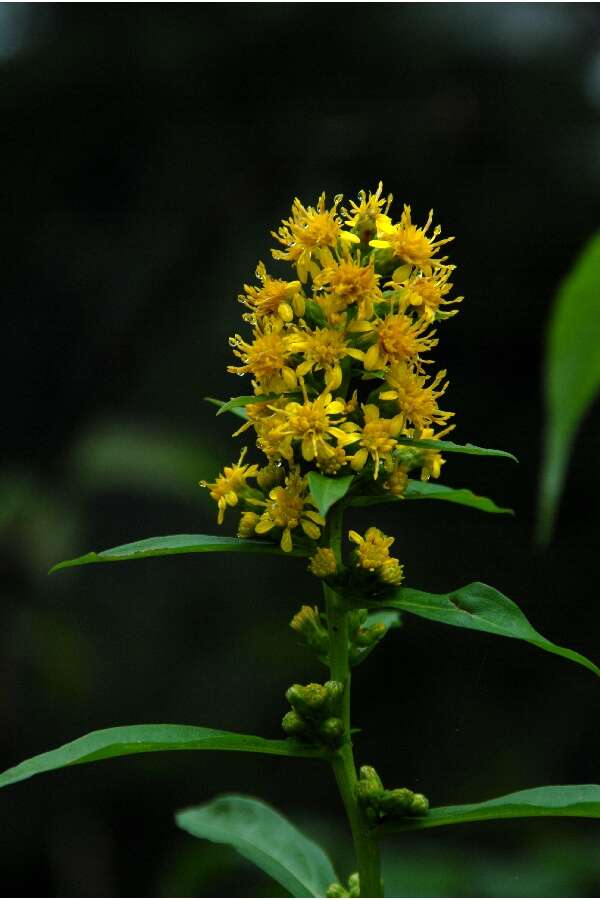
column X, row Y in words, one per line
column 363, row 639
column 313, row 716
column 380, row 803
column 338, row 890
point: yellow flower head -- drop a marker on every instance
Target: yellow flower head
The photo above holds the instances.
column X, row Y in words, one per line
column 322, row 349
column 275, row 297
column 266, row 357
column 431, row 460
column 268, row 420
column 309, row 236
column 364, row 217
column 285, row 508
column 416, row 400
column 408, row 241
column 425, row 294
column 350, row 282
column 315, row 423
column 334, row 459
column 230, row 484
column 377, row 438
column 398, row 338
column 373, row 550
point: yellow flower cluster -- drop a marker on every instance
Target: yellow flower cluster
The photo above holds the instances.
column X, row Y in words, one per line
column 373, row 554
column 339, row 359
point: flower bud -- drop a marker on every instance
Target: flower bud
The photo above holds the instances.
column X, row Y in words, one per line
column 332, row 731
column 308, row 699
column 419, row 805
column 299, row 304
column 391, row 573
column 396, row 802
column 285, row 312
column 369, row 787
column 397, row 480
column 293, row 724
column 369, row 775
column 331, row 463
column 323, row 563
column 335, row 690
column 308, row 624
column 269, row 476
column 247, row 524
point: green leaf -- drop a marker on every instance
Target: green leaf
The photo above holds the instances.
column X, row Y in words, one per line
column 326, row 491
column 427, row 490
column 239, row 411
column 173, row 544
column 130, row 739
column 579, row 800
column 266, row 838
column 481, row 608
column 450, row 447
column 247, row 400
column 571, row 373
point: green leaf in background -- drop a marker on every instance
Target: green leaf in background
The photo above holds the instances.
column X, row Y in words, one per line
column 427, row 490
column 266, row 838
column 579, row 800
column 571, row 373
column 481, row 608
column 326, row 491
column 237, row 411
column 131, row 456
column 130, row 739
column 173, row 544
column 451, row 447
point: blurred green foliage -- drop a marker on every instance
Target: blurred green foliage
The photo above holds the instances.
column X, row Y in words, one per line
column 571, row 375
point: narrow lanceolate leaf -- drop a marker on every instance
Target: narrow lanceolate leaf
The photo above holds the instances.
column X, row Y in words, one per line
column 571, row 372
column 451, row 447
column 266, row 838
column 427, row 490
column 578, row 800
column 248, row 399
column 174, row 544
column 130, row 739
column 481, row 608
column 238, row 411
column 326, row 491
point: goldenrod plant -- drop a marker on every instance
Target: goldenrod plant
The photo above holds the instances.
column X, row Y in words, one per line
column 345, row 408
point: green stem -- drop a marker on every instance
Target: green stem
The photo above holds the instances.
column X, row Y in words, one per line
column 344, row 768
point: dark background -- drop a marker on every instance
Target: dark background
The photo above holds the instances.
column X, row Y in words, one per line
column 147, row 151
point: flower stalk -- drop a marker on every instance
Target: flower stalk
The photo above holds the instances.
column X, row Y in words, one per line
column 344, row 768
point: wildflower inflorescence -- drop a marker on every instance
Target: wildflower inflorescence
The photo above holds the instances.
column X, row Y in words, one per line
column 339, row 357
